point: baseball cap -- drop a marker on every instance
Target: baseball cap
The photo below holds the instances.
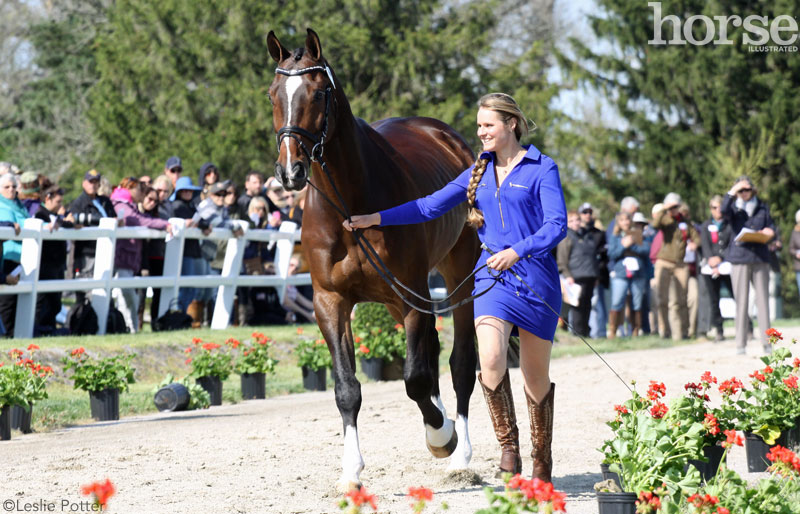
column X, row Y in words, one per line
column 585, row 206
column 173, row 162
column 29, row 182
column 92, row 174
column 671, row 200
column 638, row 217
column 219, row 186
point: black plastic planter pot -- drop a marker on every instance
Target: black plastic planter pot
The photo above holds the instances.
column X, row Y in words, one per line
column 372, row 367
column 393, row 370
column 104, row 404
column 5, row 423
column 172, row 397
column 616, row 503
column 609, row 475
column 21, row 419
column 254, row 386
column 314, row 380
column 757, row 450
column 213, row 386
column 708, row 470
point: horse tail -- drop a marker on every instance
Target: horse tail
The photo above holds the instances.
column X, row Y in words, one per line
column 474, row 215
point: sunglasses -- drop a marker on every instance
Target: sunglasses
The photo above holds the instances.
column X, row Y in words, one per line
column 176, row 170
column 587, row 212
column 222, row 193
column 745, row 190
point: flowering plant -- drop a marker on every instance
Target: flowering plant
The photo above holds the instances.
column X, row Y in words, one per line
column 650, row 449
column 91, row 374
column 210, row 359
column 772, row 402
column 102, row 491
column 377, row 334
column 254, row 357
column 313, row 355
column 23, row 383
column 694, row 408
column 522, row 495
column 353, row 500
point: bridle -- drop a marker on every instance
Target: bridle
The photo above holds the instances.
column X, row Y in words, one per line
column 294, row 131
column 315, row 155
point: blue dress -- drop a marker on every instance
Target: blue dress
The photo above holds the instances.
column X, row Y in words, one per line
column 526, row 213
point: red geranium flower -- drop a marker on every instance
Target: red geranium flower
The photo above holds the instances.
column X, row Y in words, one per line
column 32, row 347
column 358, row 340
column 361, row 496
column 732, row 438
column 211, row 346
column 102, row 492
column 363, row 349
column 299, row 331
column 659, row 410
column 78, row 351
column 758, row 376
column 730, row 386
column 420, row 493
column 711, row 424
column 621, row 409
column 773, row 333
column 791, row 382
column 196, row 340
column 398, row 326
column 188, row 361
column 708, row 378
column 656, row 390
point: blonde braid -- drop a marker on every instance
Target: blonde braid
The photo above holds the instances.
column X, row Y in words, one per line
column 474, row 216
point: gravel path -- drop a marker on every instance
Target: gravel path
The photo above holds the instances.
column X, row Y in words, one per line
column 282, row 455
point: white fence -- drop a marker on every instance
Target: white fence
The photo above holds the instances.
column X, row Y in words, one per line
column 33, row 233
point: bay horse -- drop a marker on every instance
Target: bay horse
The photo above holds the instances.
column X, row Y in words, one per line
column 369, row 168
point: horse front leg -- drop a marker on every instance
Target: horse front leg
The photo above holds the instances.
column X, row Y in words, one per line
column 463, row 361
column 421, row 373
column 333, row 318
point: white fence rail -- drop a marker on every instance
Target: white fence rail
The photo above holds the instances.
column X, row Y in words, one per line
column 34, row 232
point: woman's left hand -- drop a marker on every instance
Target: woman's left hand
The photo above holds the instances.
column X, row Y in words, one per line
column 503, row 260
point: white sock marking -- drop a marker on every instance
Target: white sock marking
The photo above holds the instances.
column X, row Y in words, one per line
column 439, row 437
column 463, row 453
column 352, row 462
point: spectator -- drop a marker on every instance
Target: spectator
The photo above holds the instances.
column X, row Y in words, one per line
column 578, row 262
column 750, row 261
column 211, row 213
column 128, row 255
column 208, row 175
column 12, row 211
column 173, row 169
column 87, row 210
column 275, row 196
column 163, row 186
column 692, row 292
column 715, row 236
column 294, row 302
column 629, row 205
column 105, row 188
column 254, row 187
column 627, row 252
column 794, row 248
column 671, row 272
column 29, row 192
column 648, row 235
column 145, row 181
column 156, row 204
column 53, row 262
column 573, row 223
column 183, row 206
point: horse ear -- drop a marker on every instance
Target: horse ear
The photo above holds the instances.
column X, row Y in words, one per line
column 276, row 49
column 313, row 46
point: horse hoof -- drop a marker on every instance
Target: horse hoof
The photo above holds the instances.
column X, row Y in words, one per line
column 440, row 452
column 344, row 486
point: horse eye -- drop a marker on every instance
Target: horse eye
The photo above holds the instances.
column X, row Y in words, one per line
column 318, row 95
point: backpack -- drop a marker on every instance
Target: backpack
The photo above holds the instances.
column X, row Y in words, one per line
column 81, row 319
column 173, row 319
column 116, row 321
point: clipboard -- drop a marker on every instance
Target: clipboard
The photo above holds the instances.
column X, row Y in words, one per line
column 751, row 236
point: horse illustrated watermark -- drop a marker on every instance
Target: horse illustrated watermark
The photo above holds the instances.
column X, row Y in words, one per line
column 760, row 33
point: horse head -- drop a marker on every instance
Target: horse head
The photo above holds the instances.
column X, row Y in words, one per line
column 303, row 105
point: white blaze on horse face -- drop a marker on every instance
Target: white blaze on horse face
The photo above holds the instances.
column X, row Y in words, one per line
column 463, row 453
column 352, row 462
column 292, row 83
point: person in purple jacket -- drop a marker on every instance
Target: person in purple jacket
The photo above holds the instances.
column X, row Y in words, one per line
column 128, row 254
column 516, row 203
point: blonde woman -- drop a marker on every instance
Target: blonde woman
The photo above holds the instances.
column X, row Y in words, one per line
column 516, row 203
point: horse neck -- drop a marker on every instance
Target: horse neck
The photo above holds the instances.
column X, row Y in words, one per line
column 345, row 168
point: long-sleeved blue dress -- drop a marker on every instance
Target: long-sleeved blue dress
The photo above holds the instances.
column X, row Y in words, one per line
column 527, row 213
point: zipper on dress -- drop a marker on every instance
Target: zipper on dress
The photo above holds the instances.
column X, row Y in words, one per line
column 511, row 184
column 500, row 206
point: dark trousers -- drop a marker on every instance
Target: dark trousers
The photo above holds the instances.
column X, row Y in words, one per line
column 580, row 314
column 48, row 305
column 8, row 302
column 713, row 286
column 156, row 270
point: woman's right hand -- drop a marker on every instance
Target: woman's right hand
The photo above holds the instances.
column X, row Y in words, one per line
column 362, row 221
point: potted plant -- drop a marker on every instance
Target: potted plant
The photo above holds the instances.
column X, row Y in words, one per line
column 185, row 394
column 694, row 407
column 253, row 363
column 649, row 452
column 212, row 364
column 102, row 378
column 34, row 390
column 768, row 410
column 523, row 495
column 314, row 359
column 380, row 342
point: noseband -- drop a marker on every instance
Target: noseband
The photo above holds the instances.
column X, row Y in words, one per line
column 294, row 131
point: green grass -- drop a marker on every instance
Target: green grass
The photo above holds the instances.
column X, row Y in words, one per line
column 160, row 353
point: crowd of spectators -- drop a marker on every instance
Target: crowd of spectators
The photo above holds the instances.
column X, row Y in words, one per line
column 150, row 202
column 654, row 273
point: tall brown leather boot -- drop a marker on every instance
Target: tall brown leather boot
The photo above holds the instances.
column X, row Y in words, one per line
column 195, row 310
column 637, row 323
column 504, row 418
column 541, row 415
column 613, row 323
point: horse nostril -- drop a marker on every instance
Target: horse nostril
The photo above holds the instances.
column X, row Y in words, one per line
column 298, row 170
column 279, row 171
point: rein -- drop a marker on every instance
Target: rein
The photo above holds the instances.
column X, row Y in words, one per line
column 316, row 155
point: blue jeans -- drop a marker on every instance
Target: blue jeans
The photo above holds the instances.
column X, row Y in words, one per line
column 186, row 295
column 797, row 276
column 598, row 319
column 620, row 288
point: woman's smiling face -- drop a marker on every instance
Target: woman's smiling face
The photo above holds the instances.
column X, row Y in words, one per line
column 492, row 131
